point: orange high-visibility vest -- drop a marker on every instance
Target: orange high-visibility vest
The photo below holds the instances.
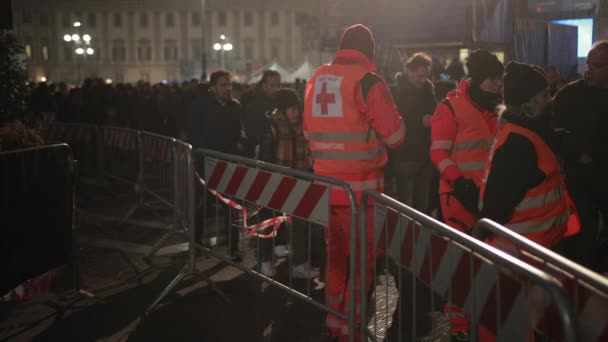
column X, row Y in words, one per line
column 472, row 142
column 342, row 143
column 341, row 140
column 546, row 213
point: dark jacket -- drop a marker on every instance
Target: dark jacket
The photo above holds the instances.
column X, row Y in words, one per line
column 214, row 126
column 255, row 106
column 583, row 111
column 514, row 169
column 413, row 103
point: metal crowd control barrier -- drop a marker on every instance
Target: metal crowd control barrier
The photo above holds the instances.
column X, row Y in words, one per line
column 81, row 139
column 500, row 296
column 587, row 290
column 281, row 191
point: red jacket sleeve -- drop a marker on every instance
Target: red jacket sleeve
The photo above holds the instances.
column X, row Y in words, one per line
column 444, row 128
column 381, row 112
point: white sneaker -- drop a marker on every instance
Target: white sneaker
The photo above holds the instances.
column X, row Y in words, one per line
column 268, row 269
column 305, row 271
column 281, row 251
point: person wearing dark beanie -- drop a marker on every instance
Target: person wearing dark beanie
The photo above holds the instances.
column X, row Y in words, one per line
column 462, row 130
column 524, row 188
column 359, row 38
column 345, row 101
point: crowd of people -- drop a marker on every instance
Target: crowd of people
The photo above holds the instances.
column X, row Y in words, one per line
column 512, row 143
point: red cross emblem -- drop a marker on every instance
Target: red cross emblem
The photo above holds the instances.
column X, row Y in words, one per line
column 324, row 99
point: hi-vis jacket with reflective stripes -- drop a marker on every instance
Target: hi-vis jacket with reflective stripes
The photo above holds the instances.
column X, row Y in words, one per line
column 546, row 213
column 471, row 146
column 344, row 143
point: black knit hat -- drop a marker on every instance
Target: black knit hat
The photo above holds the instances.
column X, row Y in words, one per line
column 359, row 37
column 483, row 64
column 286, row 98
column 521, row 82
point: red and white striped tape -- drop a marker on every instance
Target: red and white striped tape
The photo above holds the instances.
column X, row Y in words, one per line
column 157, row 148
column 252, row 230
column 68, row 133
column 121, row 139
column 454, row 272
column 32, row 287
column 294, row 197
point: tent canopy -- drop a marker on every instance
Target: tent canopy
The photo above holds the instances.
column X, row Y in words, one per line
column 303, row 72
column 257, row 76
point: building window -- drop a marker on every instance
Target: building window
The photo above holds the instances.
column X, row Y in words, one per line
column 67, row 53
column 92, row 20
column 222, row 19
column 119, row 77
column 197, row 49
column 119, row 52
column 143, row 19
column 144, row 50
column 144, row 76
column 248, row 18
column 170, row 50
column 196, row 19
column 26, row 17
column 65, row 20
column 117, row 19
column 169, row 19
column 274, row 48
column 44, row 51
column 43, row 20
column 249, row 43
column 274, row 18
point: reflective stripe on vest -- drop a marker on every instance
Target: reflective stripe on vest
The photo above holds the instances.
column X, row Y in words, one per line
column 472, row 166
column 444, row 164
column 472, row 145
column 540, row 226
column 348, row 155
column 342, row 136
column 395, row 137
column 541, row 200
column 442, row 145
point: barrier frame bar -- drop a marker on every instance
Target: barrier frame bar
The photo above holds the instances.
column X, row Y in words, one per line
column 547, row 256
column 534, row 275
column 351, row 319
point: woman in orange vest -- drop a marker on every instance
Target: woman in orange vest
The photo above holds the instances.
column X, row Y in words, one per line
column 523, row 188
column 462, row 130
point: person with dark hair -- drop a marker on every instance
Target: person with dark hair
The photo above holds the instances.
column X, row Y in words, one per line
column 283, row 143
column 523, row 187
column 350, row 119
column 410, row 163
column 581, row 109
column 215, row 124
column 256, row 103
column 462, row 131
column 455, row 70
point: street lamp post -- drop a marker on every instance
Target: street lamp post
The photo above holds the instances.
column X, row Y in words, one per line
column 82, row 41
column 222, row 47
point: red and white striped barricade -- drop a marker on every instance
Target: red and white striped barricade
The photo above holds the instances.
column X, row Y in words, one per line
column 81, row 139
column 157, row 167
column 253, row 199
column 120, row 155
column 450, row 283
column 586, row 290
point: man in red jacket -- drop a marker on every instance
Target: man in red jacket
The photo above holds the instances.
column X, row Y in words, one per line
column 349, row 120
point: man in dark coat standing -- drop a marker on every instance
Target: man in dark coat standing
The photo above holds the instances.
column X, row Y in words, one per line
column 410, row 163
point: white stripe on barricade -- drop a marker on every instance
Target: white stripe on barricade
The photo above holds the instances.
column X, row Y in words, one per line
column 295, row 197
column 445, row 266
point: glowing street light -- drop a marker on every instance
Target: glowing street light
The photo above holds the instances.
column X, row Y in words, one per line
column 217, row 46
column 42, row 79
column 86, row 38
column 75, row 37
column 227, row 47
column 90, row 51
column 222, row 37
column 77, row 24
column 79, row 51
column 67, row 38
